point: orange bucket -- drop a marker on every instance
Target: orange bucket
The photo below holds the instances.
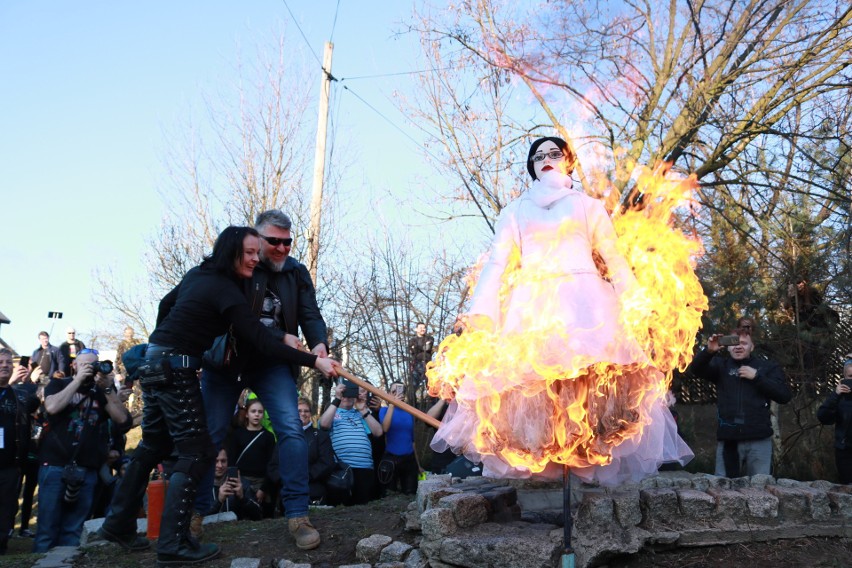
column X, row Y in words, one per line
column 156, row 500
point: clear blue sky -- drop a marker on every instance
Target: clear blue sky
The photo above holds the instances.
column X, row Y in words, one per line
column 88, row 89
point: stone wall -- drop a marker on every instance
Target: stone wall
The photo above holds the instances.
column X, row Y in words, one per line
column 485, row 523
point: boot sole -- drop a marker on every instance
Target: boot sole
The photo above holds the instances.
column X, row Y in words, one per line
column 186, row 562
column 309, row 546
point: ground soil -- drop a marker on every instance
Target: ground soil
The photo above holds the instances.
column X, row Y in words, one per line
column 342, row 527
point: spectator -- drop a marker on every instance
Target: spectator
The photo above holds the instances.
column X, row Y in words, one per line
column 745, row 386
column 28, row 480
column 16, row 405
column 837, row 410
column 207, row 303
column 47, row 361
column 232, row 493
column 320, row 453
column 71, row 453
column 69, row 349
column 399, row 466
column 440, row 460
column 420, row 350
column 351, row 424
column 257, row 458
column 135, row 400
column 284, row 292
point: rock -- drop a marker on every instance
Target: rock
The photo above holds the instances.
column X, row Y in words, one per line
column 468, row 509
column 416, row 560
column 783, row 482
column 761, row 504
column 695, row 506
column 762, row 480
column 627, row 509
column 659, row 506
column 596, row 509
column 840, row 504
column 289, row 564
column 740, row 482
column 425, row 490
column 729, row 504
column 369, row 549
column 245, row 563
column 438, row 523
column 395, row 552
column 508, row 545
column 412, row 517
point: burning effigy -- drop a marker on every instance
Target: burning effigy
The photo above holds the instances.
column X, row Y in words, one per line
column 575, row 326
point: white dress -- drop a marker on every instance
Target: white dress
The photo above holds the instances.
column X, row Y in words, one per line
column 555, row 374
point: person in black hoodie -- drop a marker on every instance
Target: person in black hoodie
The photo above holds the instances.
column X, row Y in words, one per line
column 837, row 410
column 745, row 386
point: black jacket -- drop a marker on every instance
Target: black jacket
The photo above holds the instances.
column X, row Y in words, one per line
column 293, row 285
column 837, row 410
column 320, row 460
column 743, row 405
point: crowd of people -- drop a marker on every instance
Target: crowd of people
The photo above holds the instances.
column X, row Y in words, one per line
column 254, row 447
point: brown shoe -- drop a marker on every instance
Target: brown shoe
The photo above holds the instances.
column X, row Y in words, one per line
column 307, row 537
column 196, row 528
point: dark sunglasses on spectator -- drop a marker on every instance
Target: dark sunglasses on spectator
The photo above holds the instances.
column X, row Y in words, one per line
column 274, row 241
column 88, row 351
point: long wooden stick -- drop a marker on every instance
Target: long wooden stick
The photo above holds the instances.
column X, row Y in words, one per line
column 419, row 414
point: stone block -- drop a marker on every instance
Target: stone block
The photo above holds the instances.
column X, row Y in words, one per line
column 729, row 504
column 801, row 503
column 597, row 509
column 659, row 506
column 369, row 549
column 540, row 500
column 740, row 482
column 784, row 482
column 840, row 504
column 682, row 482
column 425, row 490
column 719, row 482
column 628, row 511
column 509, row 545
column 355, row 566
column 663, row 482
column 245, row 563
column 290, row 564
column 416, row 560
column 761, row 503
column 762, row 480
column 822, row 485
column 695, row 506
column 395, row 552
column 700, row 483
column 438, row 523
column 412, row 517
column 468, row 509
column 389, row 565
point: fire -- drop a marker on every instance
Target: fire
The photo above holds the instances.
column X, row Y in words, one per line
column 585, row 409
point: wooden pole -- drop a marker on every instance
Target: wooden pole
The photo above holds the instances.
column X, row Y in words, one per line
column 418, row 414
column 319, row 165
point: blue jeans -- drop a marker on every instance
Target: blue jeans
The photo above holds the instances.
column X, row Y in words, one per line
column 60, row 523
column 755, row 457
column 276, row 389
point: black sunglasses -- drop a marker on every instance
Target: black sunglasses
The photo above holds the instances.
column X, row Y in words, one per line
column 274, row 241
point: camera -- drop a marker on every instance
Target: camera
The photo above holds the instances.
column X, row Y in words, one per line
column 73, row 477
column 105, row 367
column 351, row 389
column 729, row 340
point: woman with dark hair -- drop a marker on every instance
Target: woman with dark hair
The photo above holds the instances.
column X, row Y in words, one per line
column 208, row 302
column 542, row 340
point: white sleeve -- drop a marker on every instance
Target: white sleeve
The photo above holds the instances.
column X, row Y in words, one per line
column 486, row 294
column 603, row 239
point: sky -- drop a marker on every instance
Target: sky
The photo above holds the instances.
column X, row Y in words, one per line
column 91, row 87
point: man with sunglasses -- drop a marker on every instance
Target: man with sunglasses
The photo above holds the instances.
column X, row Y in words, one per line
column 284, row 289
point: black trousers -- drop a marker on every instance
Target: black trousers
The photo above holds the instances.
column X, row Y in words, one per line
column 843, row 458
column 29, row 478
column 8, row 502
column 172, row 419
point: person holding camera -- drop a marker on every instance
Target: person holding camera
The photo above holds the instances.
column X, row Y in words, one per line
column 16, row 405
column 351, row 424
column 71, row 452
column 837, row 410
column 399, row 465
column 745, row 387
column 231, row 492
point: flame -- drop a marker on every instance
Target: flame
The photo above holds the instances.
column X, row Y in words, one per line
column 584, row 407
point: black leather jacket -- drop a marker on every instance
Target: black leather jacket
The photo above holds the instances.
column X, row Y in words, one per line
column 743, row 405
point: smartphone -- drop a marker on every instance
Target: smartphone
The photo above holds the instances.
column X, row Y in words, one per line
column 233, row 472
column 729, row 340
column 25, row 361
column 847, row 382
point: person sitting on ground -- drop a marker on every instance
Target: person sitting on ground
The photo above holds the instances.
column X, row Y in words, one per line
column 232, row 493
column 837, row 410
column 257, row 457
column 351, row 424
column 320, row 453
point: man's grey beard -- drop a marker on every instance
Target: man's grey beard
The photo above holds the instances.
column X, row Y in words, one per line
column 274, row 266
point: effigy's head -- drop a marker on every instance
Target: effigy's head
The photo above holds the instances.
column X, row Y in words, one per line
column 549, row 153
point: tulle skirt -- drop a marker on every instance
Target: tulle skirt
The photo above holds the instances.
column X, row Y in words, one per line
column 560, row 384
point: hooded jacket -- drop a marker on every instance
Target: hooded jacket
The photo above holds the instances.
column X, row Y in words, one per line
column 837, row 410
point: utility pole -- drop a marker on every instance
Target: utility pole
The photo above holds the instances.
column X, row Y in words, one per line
column 319, row 163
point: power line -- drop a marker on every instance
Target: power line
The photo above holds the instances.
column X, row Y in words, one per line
column 392, row 123
column 394, row 74
column 304, row 37
column 334, row 23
